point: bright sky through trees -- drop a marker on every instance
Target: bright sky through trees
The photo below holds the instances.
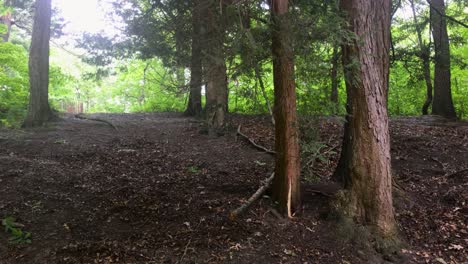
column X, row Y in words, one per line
column 83, row 15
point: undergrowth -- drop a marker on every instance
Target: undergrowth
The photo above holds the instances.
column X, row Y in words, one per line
column 17, row 235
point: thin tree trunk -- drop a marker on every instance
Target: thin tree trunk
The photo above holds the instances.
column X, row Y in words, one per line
column 253, row 60
column 142, row 97
column 258, row 74
column 366, row 62
column 39, row 110
column 442, row 103
column 425, row 57
column 216, row 90
column 194, row 107
column 334, row 79
column 286, row 185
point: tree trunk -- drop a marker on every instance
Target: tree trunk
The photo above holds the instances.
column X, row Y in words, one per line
column 334, row 79
column 258, row 74
column 216, row 90
column 366, row 63
column 442, row 104
column 39, row 110
column 424, row 54
column 286, row 185
column 194, row 107
column 339, row 175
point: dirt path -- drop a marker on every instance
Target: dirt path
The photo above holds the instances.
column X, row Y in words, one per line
column 158, row 190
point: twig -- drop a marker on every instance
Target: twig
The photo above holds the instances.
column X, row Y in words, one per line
column 81, row 116
column 185, row 251
column 253, row 142
column 233, row 214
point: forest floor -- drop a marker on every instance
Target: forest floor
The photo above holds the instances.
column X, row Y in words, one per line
column 158, row 189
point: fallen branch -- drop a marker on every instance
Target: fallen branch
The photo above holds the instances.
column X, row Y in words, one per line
column 233, row 214
column 185, row 251
column 253, row 142
column 81, row 116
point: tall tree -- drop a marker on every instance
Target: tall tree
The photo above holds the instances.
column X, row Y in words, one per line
column 442, row 104
column 286, row 184
column 39, row 110
column 367, row 155
column 216, row 78
column 194, row 107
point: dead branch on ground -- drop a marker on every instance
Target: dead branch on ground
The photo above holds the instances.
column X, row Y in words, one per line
column 81, row 116
column 259, row 193
column 253, row 142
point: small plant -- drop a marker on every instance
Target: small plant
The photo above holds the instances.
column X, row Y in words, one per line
column 193, row 169
column 17, row 236
column 61, row 141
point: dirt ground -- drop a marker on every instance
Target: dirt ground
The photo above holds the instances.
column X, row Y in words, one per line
column 159, row 190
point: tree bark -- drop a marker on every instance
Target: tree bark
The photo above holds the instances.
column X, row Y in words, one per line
column 194, row 107
column 442, row 103
column 39, row 110
column 366, row 62
column 216, row 89
column 286, row 184
column 341, row 170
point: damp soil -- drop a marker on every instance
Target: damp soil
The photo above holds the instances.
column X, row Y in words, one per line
column 158, row 189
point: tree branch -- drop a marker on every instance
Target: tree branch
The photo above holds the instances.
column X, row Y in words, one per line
column 447, row 16
column 233, row 214
column 255, row 144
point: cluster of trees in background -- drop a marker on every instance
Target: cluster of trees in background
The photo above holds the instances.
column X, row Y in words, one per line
column 320, row 57
column 147, row 68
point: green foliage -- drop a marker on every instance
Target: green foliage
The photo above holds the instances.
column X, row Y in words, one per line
column 312, row 148
column 138, row 72
column 17, row 236
column 193, row 169
column 14, row 83
column 139, row 86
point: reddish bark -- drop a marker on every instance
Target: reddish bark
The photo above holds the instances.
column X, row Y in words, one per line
column 286, row 185
column 367, row 157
